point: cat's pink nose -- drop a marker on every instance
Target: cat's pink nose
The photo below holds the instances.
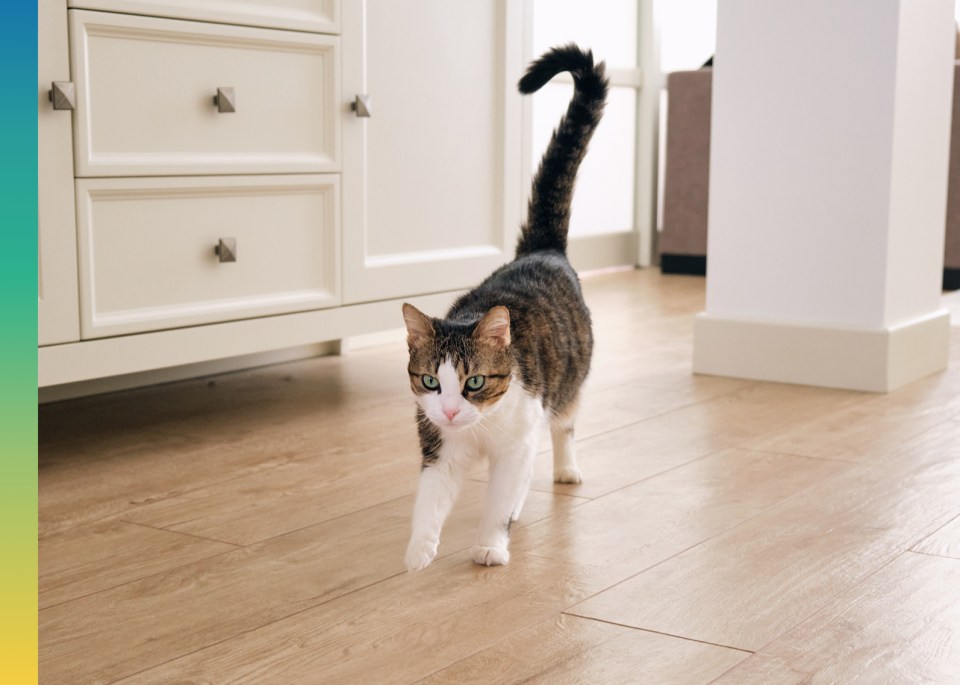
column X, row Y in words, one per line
column 451, row 413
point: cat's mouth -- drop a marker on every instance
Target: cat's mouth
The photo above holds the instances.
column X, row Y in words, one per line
column 457, row 422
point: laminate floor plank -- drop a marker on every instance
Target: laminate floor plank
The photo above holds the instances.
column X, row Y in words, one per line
column 749, row 585
column 398, row 631
column 900, row 625
column 944, row 542
column 619, row 535
column 570, row 650
column 602, row 411
column 865, row 431
column 79, row 492
column 265, row 504
column 124, row 630
column 104, row 555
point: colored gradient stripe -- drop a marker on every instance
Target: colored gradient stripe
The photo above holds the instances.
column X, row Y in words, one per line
column 18, row 340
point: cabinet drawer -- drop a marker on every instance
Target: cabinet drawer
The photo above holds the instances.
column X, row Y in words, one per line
column 322, row 16
column 147, row 257
column 146, row 89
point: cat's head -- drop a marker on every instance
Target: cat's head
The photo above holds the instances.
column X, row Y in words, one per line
column 458, row 371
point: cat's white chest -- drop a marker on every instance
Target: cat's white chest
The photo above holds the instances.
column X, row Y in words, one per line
column 515, row 421
column 519, row 407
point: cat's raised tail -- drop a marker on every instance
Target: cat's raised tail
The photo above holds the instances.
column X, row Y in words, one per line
column 548, row 215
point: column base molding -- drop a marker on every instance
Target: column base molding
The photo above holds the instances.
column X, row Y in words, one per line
column 870, row 359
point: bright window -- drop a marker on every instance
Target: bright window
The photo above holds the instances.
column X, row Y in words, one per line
column 604, row 198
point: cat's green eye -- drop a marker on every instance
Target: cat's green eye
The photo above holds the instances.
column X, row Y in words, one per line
column 429, row 382
column 475, row 382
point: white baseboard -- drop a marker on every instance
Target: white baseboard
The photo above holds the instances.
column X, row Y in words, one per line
column 874, row 360
column 360, row 342
column 602, row 251
column 98, row 386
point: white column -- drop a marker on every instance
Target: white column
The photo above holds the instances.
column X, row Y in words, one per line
column 828, row 179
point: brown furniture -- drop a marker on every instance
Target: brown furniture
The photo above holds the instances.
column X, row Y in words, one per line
column 951, row 255
column 683, row 241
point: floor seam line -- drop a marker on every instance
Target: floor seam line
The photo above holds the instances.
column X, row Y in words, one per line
column 660, row 632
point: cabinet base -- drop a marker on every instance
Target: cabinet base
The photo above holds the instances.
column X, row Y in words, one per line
column 130, row 354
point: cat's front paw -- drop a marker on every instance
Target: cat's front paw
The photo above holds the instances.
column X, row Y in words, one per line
column 490, row 556
column 568, row 474
column 420, row 553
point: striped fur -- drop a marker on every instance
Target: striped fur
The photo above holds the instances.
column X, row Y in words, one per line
column 548, row 215
column 525, row 329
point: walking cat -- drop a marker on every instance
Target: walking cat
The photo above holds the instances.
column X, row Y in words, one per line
column 510, row 352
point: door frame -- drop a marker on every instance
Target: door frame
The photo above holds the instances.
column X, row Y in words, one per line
column 636, row 247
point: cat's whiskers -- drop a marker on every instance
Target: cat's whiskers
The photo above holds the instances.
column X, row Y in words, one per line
column 482, row 426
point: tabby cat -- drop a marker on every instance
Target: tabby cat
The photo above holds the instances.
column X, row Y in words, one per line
column 512, row 351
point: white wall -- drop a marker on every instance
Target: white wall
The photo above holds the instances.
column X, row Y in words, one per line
column 792, row 204
column 829, row 145
column 916, row 198
column 688, row 33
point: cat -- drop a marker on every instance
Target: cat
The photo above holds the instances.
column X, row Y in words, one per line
column 514, row 350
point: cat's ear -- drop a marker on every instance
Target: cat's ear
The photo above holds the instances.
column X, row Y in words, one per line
column 419, row 326
column 494, row 326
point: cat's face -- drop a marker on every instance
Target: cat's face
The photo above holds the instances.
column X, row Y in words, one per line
column 458, row 372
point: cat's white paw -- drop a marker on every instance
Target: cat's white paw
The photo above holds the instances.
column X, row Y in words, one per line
column 420, row 553
column 568, row 474
column 490, row 556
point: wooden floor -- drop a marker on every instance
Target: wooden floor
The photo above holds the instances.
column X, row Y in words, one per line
column 251, row 528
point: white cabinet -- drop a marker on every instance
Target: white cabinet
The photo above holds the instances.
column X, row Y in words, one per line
column 327, row 218
column 432, row 180
column 58, row 316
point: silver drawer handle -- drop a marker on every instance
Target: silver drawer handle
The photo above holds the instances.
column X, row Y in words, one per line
column 361, row 105
column 226, row 249
column 63, row 95
column 225, row 100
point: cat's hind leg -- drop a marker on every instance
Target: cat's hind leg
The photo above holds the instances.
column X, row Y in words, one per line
column 565, row 469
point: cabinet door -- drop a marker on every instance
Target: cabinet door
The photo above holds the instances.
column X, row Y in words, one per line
column 58, row 305
column 431, row 185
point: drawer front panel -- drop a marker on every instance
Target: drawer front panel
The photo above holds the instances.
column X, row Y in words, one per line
column 146, row 89
column 321, row 16
column 148, row 260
